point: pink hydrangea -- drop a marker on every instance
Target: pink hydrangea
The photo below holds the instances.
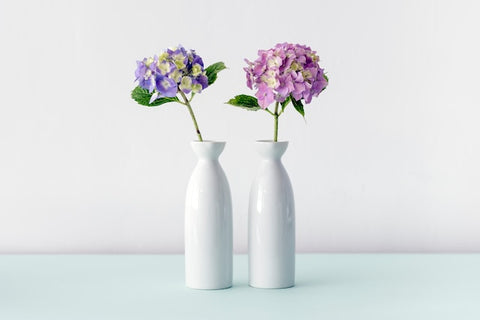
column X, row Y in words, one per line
column 283, row 71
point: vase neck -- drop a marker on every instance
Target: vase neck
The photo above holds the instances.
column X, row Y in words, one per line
column 208, row 150
column 270, row 150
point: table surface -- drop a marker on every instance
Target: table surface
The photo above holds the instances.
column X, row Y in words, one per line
column 329, row 286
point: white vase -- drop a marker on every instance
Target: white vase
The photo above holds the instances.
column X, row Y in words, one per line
column 271, row 221
column 208, row 221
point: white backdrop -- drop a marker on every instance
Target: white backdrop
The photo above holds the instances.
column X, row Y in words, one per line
column 388, row 159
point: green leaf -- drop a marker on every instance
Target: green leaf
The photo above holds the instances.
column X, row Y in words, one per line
column 298, row 106
column 245, row 101
column 326, row 78
column 142, row 96
column 212, row 71
column 285, row 103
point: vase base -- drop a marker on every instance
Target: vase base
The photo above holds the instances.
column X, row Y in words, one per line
column 209, row 287
column 271, row 287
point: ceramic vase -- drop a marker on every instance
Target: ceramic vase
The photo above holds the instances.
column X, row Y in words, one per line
column 271, row 221
column 208, row 221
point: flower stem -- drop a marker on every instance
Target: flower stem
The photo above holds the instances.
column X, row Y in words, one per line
column 275, row 116
column 187, row 103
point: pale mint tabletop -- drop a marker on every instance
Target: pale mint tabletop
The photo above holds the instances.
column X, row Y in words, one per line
column 329, row 286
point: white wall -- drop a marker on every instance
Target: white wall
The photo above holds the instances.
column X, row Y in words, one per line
column 388, row 159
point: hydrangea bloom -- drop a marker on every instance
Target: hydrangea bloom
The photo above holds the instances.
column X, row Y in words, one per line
column 175, row 69
column 287, row 69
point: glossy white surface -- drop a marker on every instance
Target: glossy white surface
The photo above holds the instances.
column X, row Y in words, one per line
column 271, row 221
column 208, row 221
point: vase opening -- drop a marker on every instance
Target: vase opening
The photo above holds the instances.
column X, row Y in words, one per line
column 208, row 149
column 271, row 149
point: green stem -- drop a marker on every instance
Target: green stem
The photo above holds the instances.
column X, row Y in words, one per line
column 187, row 103
column 269, row 111
column 275, row 116
column 281, row 111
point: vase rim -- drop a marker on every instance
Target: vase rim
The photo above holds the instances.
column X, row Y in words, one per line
column 270, row 141
column 208, row 141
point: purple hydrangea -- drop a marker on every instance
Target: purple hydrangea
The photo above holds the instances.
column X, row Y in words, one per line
column 173, row 70
column 283, row 71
